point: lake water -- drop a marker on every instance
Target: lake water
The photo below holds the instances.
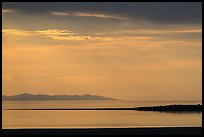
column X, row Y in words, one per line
column 14, row 119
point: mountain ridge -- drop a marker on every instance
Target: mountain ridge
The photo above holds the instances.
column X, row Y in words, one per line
column 28, row 96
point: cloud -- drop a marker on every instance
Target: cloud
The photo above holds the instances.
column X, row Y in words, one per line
column 88, row 14
column 181, row 31
column 55, row 34
column 8, row 11
column 71, row 37
column 159, row 12
column 60, row 13
column 98, row 15
column 46, row 33
column 156, row 31
column 18, row 32
column 57, row 37
column 187, row 31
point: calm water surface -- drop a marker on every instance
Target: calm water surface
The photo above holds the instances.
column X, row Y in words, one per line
column 93, row 118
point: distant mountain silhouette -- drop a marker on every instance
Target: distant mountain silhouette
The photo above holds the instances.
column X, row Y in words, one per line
column 27, row 96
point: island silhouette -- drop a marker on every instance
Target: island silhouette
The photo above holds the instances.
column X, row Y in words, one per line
column 27, row 97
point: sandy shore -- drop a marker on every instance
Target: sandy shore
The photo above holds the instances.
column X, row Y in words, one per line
column 108, row 131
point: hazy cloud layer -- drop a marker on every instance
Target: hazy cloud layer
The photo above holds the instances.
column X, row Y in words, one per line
column 161, row 12
column 87, row 14
column 54, row 34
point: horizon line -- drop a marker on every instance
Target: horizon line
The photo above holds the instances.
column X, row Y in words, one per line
column 193, row 100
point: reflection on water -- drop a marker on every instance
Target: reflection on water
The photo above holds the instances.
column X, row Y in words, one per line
column 92, row 118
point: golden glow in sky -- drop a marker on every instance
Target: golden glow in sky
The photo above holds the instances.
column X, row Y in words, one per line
column 99, row 52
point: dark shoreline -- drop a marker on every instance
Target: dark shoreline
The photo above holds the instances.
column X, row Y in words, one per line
column 166, row 108
column 108, row 131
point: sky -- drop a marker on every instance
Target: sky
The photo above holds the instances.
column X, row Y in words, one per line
column 133, row 51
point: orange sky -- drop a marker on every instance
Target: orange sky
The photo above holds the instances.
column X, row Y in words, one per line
column 105, row 54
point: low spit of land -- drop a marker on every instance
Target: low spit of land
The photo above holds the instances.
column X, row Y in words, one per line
column 166, row 108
